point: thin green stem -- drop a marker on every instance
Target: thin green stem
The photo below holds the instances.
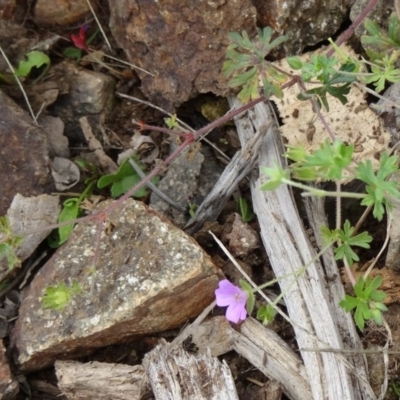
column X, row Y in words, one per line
column 324, row 193
column 300, row 272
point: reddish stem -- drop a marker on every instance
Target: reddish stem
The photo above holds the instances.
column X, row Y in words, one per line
column 348, row 32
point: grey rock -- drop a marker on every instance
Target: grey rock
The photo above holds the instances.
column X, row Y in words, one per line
column 54, row 129
column 89, row 93
column 30, row 214
column 179, row 184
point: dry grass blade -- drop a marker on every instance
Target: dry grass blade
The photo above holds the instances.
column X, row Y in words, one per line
column 20, row 86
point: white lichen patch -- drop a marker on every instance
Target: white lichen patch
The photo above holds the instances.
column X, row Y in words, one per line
column 95, row 320
column 88, row 252
column 354, row 123
column 132, row 280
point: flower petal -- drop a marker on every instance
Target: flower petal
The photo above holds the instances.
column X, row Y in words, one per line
column 236, row 312
column 225, row 294
column 79, row 42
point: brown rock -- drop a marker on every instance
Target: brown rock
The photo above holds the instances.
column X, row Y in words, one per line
column 7, row 9
column 9, row 387
column 60, row 12
column 243, row 239
column 23, row 155
column 181, row 43
column 304, row 22
column 150, row 277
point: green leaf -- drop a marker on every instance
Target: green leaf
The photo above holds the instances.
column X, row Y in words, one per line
column 349, row 303
column 266, row 314
column 276, row 174
column 366, row 304
column 250, row 295
column 344, row 250
column 330, row 159
column 70, row 211
column 378, row 189
column 377, row 282
column 245, row 60
column 329, row 236
column 359, row 316
column 372, row 27
column 123, row 180
column 249, row 90
column 73, row 52
column 294, row 62
column 35, row 59
column 122, row 185
column 384, row 70
column 240, row 80
column 394, row 28
column 245, row 211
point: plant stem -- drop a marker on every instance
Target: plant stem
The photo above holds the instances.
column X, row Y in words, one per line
column 347, row 33
column 324, row 193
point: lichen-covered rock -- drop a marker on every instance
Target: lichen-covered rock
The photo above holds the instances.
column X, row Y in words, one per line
column 182, row 44
column 150, row 276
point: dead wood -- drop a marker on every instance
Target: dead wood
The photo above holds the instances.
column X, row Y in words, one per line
column 262, row 347
column 238, row 168
column 312, row 311
column 179, row 375
column 101, row 381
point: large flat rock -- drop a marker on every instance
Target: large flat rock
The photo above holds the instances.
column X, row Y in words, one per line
column 150, row 277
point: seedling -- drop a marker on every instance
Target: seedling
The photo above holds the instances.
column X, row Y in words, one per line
column 246, row 65
column 245, row 211
column 8, row 243
column 57, row 297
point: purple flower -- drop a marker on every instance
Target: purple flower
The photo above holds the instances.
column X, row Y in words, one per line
column 235, row 298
